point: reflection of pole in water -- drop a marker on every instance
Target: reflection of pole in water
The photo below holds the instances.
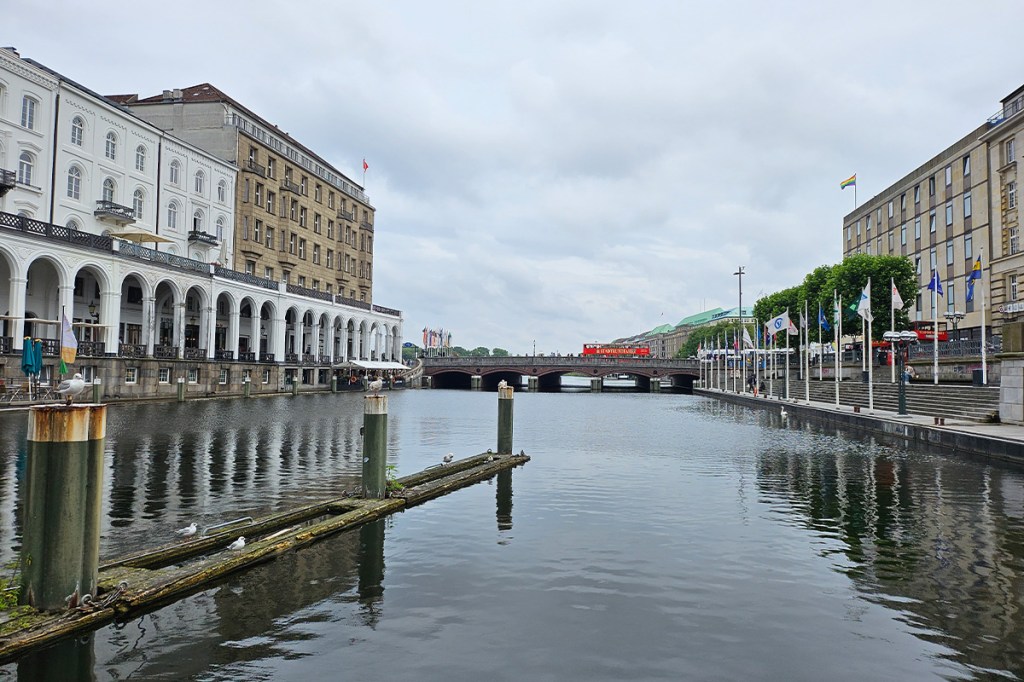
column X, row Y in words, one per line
column 371, row 569
column 70, row 660
column 504, row 498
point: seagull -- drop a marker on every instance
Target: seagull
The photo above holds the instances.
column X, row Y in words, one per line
column 237, row 544
column 447, row 459
column 784, row 413
column 188, row 531
column 375, row 385
column 69, row 388
column 502, row 384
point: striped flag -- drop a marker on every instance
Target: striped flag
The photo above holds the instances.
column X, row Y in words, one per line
column 849, row 182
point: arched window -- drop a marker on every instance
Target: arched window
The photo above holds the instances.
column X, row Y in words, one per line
column 73, row 225
column 26, row 162
column 172, row 215
column 110, row 151
column 140, row 158
column 74, row 183
column 175, row 172
column 200, row 181
column 220, row 227
column 77, row 131
column 138, row 202
column 222, row 191
column 28, row 112
column 197, row 221
column 109, row 189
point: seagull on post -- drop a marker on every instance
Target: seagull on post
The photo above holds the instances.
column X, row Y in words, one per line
column 237, row 544
column 376, row 385
column 69, row 388
column 188, row 531
column 447, row 459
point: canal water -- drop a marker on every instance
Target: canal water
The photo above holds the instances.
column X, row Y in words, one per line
column 651, row 537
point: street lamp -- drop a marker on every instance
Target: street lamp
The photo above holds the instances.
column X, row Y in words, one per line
column 954, row 317
column 901, row 341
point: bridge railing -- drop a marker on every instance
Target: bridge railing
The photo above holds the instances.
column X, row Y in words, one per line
column 558, row 361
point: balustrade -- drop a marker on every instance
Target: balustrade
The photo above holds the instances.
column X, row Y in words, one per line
column 92, row 349
column 266, row 357
column 221, row 354
column 163, row 352
column 189, row 353
column 247, row 356
column 131, row 350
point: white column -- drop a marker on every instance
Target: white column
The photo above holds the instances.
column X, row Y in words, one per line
column 179, row 328
column 110, row 315
column 276, row 330
column 208, row 329
column 16, row 306
column 234, row 319
column 149, row 329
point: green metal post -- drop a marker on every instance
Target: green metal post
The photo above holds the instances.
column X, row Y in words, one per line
column 505, row 394
column 375, row 438
column 181, row 389
column 63, row 494
column 246, row 387
column 334, row 383
column 295, row 382
column 97, row 389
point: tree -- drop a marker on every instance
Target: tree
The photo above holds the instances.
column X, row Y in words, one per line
column 499, row 352
column 849, row 279
column 480, row 351
column 411, row 352
column 709, row 336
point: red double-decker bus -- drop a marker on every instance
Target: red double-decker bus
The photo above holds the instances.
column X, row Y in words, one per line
column 616, row 350
column 925, row 330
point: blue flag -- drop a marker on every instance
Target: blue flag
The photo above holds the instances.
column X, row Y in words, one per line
column 821, row 319
column 974, row 274
column 935, row 285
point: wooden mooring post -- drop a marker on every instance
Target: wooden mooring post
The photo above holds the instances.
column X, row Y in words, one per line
column 375, row 445
column 505, row 419
column 63, row 500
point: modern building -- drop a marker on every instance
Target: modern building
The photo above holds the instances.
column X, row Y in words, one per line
column 299, row 219
column 956, row 207
column 666, row 340
column 127, row 231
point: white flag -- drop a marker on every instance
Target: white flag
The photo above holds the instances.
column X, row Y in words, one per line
column 778, row 323
column 897, row 300
column 803, row 321
column 864, row 307
column 747, row 341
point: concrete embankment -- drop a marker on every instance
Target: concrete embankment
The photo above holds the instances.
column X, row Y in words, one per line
column 997, row 441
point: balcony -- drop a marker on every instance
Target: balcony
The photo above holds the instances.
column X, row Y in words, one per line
column 131, row 350
column 246, row 356
column 364, row 225
column 165, row 352
column 253, row 167
column 222, row 354
column 117, row 214
column 8, row 179
column 346, row 215
column 203, row 238
column 92, row 349
column 288, row 186
column 192, row 353
column 267, row 357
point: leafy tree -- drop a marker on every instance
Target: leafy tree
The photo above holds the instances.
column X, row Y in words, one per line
column 411, row 352
column 459, row 351
column 499, row 352
column 480, row 351
column 849, row 278
column 709, row 335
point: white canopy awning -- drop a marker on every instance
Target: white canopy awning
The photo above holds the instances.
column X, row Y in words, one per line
column 378, row 364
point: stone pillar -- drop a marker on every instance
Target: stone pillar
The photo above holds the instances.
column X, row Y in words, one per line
column 532, row 383
column 475, row 382
column 655, row 385
column 596, row 384
column 63, row 499
column 375, row 439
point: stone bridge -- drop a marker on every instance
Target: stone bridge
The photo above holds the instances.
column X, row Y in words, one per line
column 545, row 373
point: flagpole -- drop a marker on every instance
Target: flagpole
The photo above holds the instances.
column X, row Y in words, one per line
column 771, row 375
column 757, row 356
column 821, row 356
column 60, row 345
column 787, row 353
column 807, row 355
column 838, row 303
column 984, row 356
column 935, row 327
column 892, row 327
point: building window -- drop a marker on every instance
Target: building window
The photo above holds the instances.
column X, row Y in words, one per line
column 270, row 167
column 890, row 208
column 302, row 281
column 222, row 191
column 302, row 186
column 330, row 259
column 200, row 182
column 330, row 230
column 316, row 254
column 967, row 165
column 931, row 186
column 73, row 225
column 109, row 190
column 257, row 227
column 270, row 202
column 931, row 259
column 903, row 234
column 197, row 221
column 77, row 131
column 330, row 199
column 291, row 243
column 949, row 175
column 967, row 204
column 316, row 223
column 164, row 375
column 175, row 174
column 140, row 159
column 949, row 253
column 193, row 375
column 110, row 149
column 878, row 250
column 891, row 236
column 294, row 212
column 137, row 202
column 917, row 264
column 917, row 194
column 266, row 375
column 223, row 378
column 931, row 222
column 950, row 296
column 270, row 238
column 131, row 375
column 1013, row 287
column 268, row 272
column 28, row 113
column 1014, row 240
column 250, row 267
column 1011, row 151
column 172, row 215
column 318, row 193
column 245, row 228
column 847, row 232
column 857, row 225
column 26, row 164
column 316, row 285
column 302, row 249
column 917, row 227
column 1011, row 194
column 74, row 183
column 917, row 305
column 302, row 216
column 949, row 213
column 968, row 246
column 867, row 224
column 220, row 228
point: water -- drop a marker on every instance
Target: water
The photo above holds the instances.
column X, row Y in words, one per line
column 652, row 537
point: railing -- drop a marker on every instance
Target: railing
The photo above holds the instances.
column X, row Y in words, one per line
column 5, row 345
column 351, row 302
column 266, row 357
column 190, row 353
column 363, row 225
column 222, row 354
column 956, row 348
column 288, row 186
column 135, row 251
column 131, row 350
column 165, row 352
column 204, row 237
column 247, row 356
column 346, row 215
column 254, row 167
column 245, row 278
column 121, row 213
column 387, row 311
column 559, row 361
column 58, row 232
column 308, row 359
column 325, row 360
column 312, row 293
column 92, row 349
column 51, row 347
column 291, row 358
column 8, row 181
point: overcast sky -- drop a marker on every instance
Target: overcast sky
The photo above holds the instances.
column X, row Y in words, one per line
column 569, row 171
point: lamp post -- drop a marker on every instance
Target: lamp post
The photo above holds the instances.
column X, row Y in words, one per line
column 739, row 336
column 954, row 317
column 901, row 341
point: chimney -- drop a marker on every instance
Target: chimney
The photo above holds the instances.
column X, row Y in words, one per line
column 167, row 94
column 177, row 93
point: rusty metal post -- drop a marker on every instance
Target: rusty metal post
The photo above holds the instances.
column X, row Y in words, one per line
column 63, row 498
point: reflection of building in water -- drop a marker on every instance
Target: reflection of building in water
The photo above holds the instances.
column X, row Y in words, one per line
column 940, row 536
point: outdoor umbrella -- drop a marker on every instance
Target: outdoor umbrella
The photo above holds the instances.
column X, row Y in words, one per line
column 28, row 361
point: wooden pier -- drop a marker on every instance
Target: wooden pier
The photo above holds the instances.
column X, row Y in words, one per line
column 132, row 585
